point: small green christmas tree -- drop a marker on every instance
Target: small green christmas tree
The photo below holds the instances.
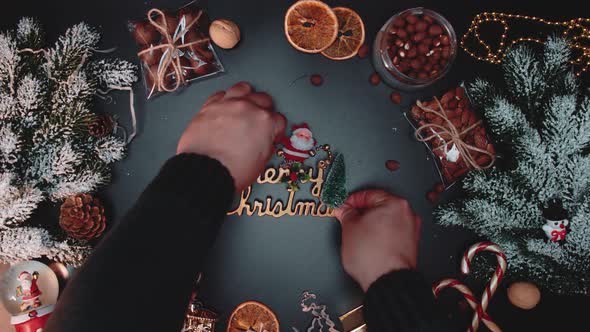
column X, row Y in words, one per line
column 334, row 192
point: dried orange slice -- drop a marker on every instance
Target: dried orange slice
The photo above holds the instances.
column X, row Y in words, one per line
column 311, row 26
column 252, row 316
column 351, row 35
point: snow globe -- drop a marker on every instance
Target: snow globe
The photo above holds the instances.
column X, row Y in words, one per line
column 29, row 292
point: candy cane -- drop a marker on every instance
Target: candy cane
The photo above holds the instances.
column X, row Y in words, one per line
column 481, row 307
column 492, row 286
column 471, row 300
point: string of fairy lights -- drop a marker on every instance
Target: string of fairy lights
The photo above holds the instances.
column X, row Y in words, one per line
column 575, row 30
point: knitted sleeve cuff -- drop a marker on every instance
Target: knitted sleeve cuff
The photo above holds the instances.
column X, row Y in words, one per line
column 399, row 301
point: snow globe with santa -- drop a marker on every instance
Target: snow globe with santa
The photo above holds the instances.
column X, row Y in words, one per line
column 29, row 293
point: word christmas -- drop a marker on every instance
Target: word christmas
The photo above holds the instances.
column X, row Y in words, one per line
column 296, row 149
column 300, row 208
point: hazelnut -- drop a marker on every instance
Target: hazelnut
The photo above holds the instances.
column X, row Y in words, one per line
column 224, row 33
column 524, row 295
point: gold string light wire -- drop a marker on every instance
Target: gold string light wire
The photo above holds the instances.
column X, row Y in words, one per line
column 575, row 31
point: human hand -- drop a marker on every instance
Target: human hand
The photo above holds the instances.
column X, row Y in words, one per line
column 380, row 234
column 238, row 127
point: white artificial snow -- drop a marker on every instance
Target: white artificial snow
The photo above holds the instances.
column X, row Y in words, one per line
column 28, row 94
column 115, row 73
column 110, row 149
column 16, row 202
column 9, row 145
column 26, row 27
column 18, row 244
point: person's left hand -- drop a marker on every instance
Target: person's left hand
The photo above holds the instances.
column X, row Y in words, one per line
column 238, row 127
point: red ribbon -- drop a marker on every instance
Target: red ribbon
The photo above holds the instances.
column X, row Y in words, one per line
column 558, row 235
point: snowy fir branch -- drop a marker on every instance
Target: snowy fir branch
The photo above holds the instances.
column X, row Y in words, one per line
column 46, row 150
column 540, row 116
column 23, row 243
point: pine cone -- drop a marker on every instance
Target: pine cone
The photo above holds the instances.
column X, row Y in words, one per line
column 82, row 217
column 101, row 126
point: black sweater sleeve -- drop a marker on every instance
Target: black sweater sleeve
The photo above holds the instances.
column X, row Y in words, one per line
column 141, row 275
column 401, row 301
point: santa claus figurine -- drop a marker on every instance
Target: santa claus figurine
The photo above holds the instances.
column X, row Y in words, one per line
column 28, row 291
column 300, row 145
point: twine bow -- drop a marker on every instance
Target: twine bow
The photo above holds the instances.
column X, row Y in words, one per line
column 170, row 57
column 456, row 137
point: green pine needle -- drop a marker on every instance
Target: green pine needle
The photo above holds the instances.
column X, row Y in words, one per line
column 334, row 192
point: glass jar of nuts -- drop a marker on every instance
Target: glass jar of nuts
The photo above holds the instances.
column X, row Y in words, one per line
column 414, row 49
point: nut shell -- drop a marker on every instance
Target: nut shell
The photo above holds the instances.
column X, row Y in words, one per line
column 524, row 295
column 224, row 33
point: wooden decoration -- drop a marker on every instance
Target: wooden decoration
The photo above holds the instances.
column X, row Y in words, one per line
column 292, row 208
column 353, row 321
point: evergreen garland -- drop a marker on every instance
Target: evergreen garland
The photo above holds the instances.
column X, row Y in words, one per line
column 46, row 151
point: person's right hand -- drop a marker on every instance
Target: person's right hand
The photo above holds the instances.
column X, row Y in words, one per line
column 380, row 234
column 238, row 127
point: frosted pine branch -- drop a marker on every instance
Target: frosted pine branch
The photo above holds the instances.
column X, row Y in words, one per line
column 78, row 89
column 46, row 150
column 29, row 33
column 29, row 98
column 71, row 51
column 10, row 145
column 114, row 73
column 24, row 243
column 17, row 203
column 9, row 59
column 556, row 56
column 522, row 74
column 110, row 149
column 543, row 123
column 560, row 132
column 85, row 182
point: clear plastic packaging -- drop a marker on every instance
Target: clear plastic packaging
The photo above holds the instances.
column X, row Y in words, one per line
column 175, row 48
column 454, row 134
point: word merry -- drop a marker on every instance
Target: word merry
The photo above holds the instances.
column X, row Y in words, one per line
column 300, row 208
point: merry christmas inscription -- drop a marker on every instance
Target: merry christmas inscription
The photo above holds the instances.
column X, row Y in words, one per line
column 299, row 208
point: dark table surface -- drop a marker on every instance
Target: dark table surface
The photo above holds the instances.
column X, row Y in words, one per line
column 274, row 260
